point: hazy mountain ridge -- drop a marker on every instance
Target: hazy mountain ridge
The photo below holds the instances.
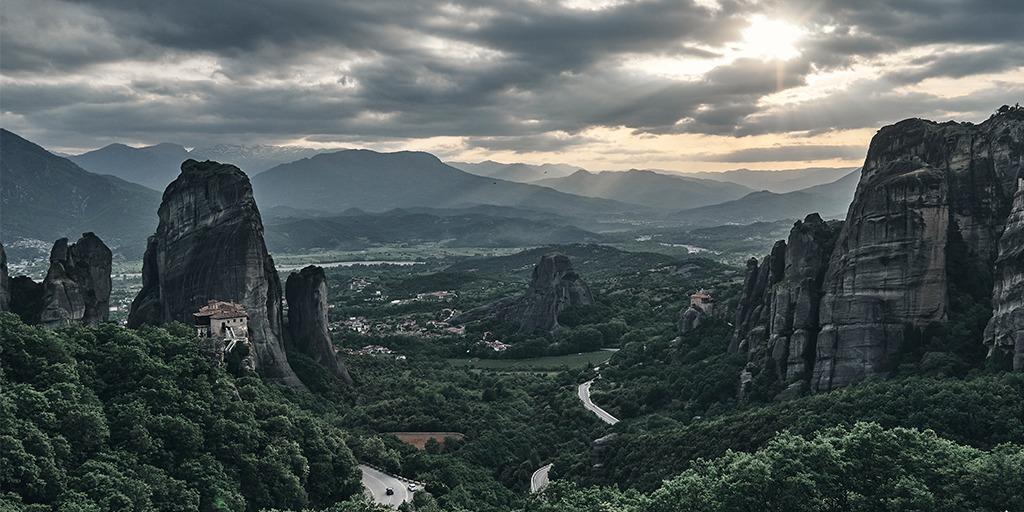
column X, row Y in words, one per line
column 150, row 166
column 374, row 181
column 782, row 181
column 520, row 172
column 46, row 197
column 156, row 166
column 647, row 188
column 831, row 200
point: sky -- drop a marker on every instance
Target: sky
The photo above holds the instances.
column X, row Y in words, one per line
column 603, row 84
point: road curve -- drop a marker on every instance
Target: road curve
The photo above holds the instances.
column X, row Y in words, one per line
column 376, row 484
column 584, row 393
column 539, row 479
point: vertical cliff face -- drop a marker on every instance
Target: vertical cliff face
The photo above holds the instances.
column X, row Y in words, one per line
column 779, row 331
column 690, row 318
column 308, row 324
column 794, row 324
column 554, row 286
column 26, row 299
column 209, row 246
column 754, row 312
column 927, row 190
column 76, row 289
column 920, row 241
column 1005, row 331
column 5, row 282
column 77, row 285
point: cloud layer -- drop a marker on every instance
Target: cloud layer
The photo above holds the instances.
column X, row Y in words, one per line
column 496, row 76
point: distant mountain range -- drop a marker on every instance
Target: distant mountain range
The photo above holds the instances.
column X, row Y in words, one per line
column 830, row 200
column 46, row 197
column 156, row 166
column 523, row 173
column 776, row 181
column 151, row 166
column 647, row 188
column 339, row 199
column 360, row 231
column 377, row 182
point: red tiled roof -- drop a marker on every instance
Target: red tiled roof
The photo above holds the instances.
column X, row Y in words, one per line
column 220, row 309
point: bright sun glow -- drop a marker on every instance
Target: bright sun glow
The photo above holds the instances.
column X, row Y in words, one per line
column 771, row 39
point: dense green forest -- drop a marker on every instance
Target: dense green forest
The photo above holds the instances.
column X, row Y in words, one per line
column 864, row 467
column 110, row 419
column 103, row 418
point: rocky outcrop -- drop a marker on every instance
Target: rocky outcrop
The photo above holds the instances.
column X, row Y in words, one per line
column 690, row 318
column 927, row 191
column 26, row 299
column 923, row 233
column 554, row 285
column 1004, row 333
column 76, row 289
column 777, row 322
column 5, row 282
column 754, row 311
column 308, row 325
column 209, row 246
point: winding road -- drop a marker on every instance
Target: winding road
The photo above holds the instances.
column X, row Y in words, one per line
column 376, row 484
column 539, row 479
column 584, row 393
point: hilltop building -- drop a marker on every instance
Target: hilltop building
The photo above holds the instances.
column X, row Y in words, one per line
column 222, row 320
column 703, row 301
column 702, row 304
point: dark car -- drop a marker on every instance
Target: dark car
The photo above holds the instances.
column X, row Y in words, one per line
column 389, row 491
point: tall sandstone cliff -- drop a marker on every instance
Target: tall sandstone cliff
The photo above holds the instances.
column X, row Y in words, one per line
column 76, row 289
column 209, row 246
column 1004, row 333
column 5, row 282
column 920, row 240
column 308, row 325
column 77, row 285
column 777, row 321
column 554, row 285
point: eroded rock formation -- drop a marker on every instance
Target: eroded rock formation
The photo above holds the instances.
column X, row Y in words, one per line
column 77, row 284
column 209, row 246
column 754, row 311
column 690, row 318
column 554, row 285
column 308, row 325
column 777, row 321
column 26, row 299
column 5, row 282
column 923, row 233
column 1004, row 333
column 928, row 191
column 76, row 289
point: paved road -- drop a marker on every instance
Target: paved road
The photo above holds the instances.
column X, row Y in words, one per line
column 584, row 393
column 376, row 483
column 539, row 479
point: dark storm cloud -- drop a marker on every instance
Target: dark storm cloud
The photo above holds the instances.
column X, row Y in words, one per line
column 506, row 73
column 950, row 64
column 785, row 154
column 873, row 103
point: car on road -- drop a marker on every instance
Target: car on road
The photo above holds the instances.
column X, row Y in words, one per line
column 412, row 487
column 389, row 491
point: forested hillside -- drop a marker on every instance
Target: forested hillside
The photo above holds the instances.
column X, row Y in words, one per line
column 110, row 419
